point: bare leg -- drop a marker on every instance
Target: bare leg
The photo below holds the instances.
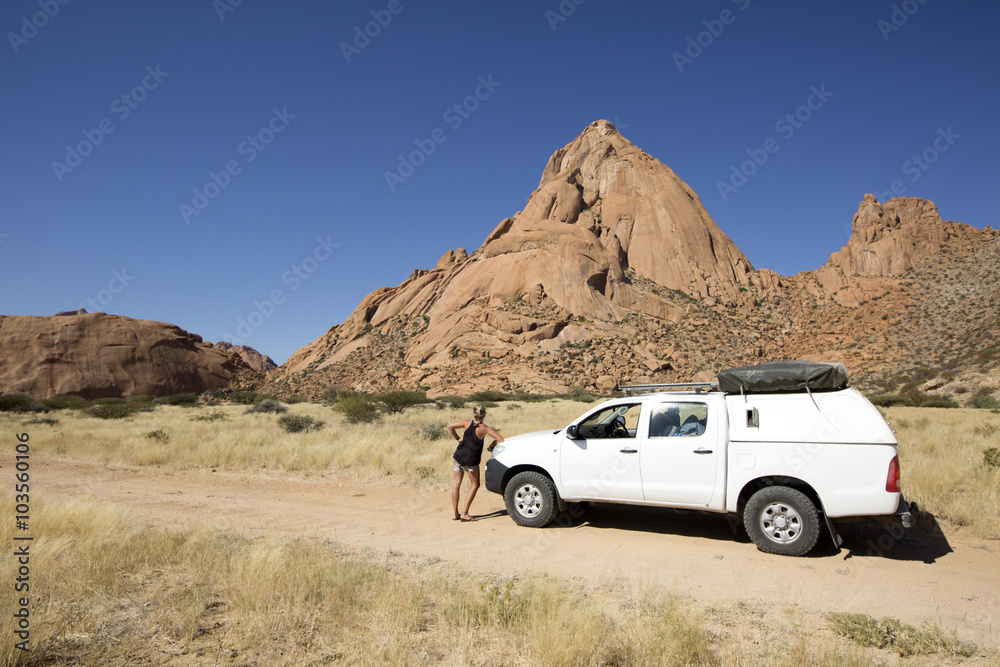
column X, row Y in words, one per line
column 455, row 489
column 474, row 478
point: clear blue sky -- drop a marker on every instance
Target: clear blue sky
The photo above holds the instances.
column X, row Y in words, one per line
column 154, row 97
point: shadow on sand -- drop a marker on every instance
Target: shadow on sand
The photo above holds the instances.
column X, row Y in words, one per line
column 863, row 538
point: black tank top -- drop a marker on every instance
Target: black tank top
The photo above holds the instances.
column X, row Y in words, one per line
column 470, row 451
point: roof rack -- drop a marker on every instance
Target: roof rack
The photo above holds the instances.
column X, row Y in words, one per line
column 697, row 386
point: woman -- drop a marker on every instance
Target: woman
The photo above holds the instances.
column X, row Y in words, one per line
column 467, row 456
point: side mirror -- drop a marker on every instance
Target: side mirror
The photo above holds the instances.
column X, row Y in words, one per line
column 571, row 431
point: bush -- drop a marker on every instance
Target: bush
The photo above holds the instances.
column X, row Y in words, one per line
column 430, row 431
column 213, row 416
column 331, row 393
column 984, row 402
column 66, row 402
column 115, row 410
column 913, row 399
column 142, row 398
column 991, row 457
column 489, row 396
column 247, row 397
column 20, row 403
column 299, row 423
column 179, row 399
column 158, row 435
column 453, row 401
column 268, row 405
column 397, row 401
column 939, row 402
column 357, row 408
column 296, row 398
column 108, row 400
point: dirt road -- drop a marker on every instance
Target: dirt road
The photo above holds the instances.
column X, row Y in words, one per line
column 946, row 578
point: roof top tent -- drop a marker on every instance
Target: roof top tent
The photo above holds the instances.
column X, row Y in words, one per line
column 770, row 377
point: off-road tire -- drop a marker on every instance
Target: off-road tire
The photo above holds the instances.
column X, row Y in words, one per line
column 531, row 499
column 781, row 520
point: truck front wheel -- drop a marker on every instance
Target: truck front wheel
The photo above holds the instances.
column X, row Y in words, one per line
column 781, row 520
column 531, row 499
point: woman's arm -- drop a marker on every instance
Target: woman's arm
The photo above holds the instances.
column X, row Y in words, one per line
column 493, row 433
column 462, row 425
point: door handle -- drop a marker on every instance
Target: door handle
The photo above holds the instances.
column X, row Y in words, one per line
column 703, row 451
column 628, row 450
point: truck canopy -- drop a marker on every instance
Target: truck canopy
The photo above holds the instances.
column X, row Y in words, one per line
column 783, row 376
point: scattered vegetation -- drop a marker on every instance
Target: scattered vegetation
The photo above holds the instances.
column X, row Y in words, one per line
column 159, row 435
column 66, row 402
column 247, row 397
column 179, row 399
column 900, row 637
column 913, row 399
column 20, row 403
column 430, row 432
column 112, row 410
column 398, row 401
column 213, row 416
column 357, row 408
column 991, row 457
column 984, row 402
column 267, row 405
column 299, row 423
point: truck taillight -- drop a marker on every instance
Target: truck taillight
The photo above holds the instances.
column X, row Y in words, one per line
column 892, row 479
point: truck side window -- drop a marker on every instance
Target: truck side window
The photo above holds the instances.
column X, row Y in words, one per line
column 617, row 421
column 678, row 420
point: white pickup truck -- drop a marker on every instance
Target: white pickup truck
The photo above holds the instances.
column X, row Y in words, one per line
column 780, row 444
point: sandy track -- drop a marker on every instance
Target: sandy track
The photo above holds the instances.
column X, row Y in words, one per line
column 946, row 578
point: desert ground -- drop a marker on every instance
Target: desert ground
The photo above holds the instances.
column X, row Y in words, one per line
column 754, row 608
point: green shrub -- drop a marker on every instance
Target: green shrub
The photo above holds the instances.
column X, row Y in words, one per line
column 247, row 397
column 268, row 405
column 213, row 416
column 179, row 399
column 115, row 410
column 430, row 431
column 357, row 408
column 299, row 423
column 489, row 395
column 331, row 393
column 939, row 402
column 158, row 435
column 296, row 398
column 984, row 402
column 991, row 457
column 20, row 403
column 141, row 398
column 108, row 400
column 453, row 401
column 66, row 402
column 397, row 401
column 48, row 421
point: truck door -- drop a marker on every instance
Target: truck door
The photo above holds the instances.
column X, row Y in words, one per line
column 679, row 455
column 602, row 462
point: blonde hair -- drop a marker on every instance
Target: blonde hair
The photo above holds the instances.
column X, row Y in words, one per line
column 479, row 413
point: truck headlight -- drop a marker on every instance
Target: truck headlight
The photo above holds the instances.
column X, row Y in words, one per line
column 497, row 450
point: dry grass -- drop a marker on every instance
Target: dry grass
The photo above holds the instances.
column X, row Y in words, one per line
column 106, row 591
column 941, row 457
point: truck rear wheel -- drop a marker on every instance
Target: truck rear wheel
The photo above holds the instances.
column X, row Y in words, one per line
column 781, row 520
column 531, row 499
